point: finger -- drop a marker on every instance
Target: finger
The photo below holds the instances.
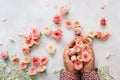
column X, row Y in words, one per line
column 71, row 44
column 66, row 58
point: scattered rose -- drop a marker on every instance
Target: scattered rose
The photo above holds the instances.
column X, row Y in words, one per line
column 103, row 21
column 41, row 68
column 47, row 30
column 68, row 23
column 43, row 60
column 32, row 70
column 99, row 34
column 57, row 19
column 23, row 65
column 15, row 59
column 64, row 10
column 26, row 50
column 77, row 31
column 35, row 60
column 51, row 49
column 26, row 59
column 35, row 33
column 57, row 34
column 4, row 55
column 28, row 43
column 27, row 37
column 36, row 41
column 105, row 35
column 92, row 34
column 76, row 23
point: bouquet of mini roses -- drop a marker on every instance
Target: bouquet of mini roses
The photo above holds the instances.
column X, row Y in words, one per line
column 79, row 52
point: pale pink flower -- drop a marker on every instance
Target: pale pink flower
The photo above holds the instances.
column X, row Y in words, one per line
column 85, row 47
column 28, row 43
column 27, row 37
column 79, row 42
column 32, row 70
column 41, row 68
column 77, row 48
column 68, row 23
column 76, row 23
column 99, row 34
column 35, row 33
column 26, row 50
column 105, row 35
column 78, row 65
column 73, row 58
column 51, row 49
column 26, row 59
column 64, row 10
column 4, row 55
column 43, row 60
column 36, row 41
column 15, row 59
column 23, row 65
column 77, row 31
column 35, row 60
column 86, row 56
column 47, row 30
column 57, row 19
column 70, row 51
column 57, row 34
column 91, row 34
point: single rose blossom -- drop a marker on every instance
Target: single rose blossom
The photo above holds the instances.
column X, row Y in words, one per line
column 28, row 43
column 35, row 60
column 79, row 57
column 41, row 68
column 68, row 23
column 92, row 34
column 77, row 31
column 36, row 41
column 70, row 51
column 4, row 55
column 57, row 19
column 35, row 33
column 103, row 21
column 27, row 37
column 47, row 30
column 57, row 34
column 51, row 49
column 77, row 48
column 78, row 65
column 26, row 50
column 43, row 60
column 23, row 65
column 76, row 23
column 85, row 48
column 15, row 59
column 26, row 59
column 86, row 56
column 79, row 42
column 32, row 70
column 64, row 10
column 105, row 35
column 73, row 58
column 99, row 34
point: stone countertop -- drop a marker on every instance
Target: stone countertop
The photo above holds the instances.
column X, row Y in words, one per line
column 22, row 15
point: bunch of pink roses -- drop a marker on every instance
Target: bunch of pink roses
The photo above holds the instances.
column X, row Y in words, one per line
column 32, row 38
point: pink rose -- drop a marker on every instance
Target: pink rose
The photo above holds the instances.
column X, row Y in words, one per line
column 47, row 30
column 23, row 65
column 57, row 19
column 105, row 35
column 68, row 23
column 43, row 60
column 77, row 24
column 35, row 33
column 28, row 43
column 99, row 34
column 4, row 55
column 86, row 56
column 79, row 42
column 77, row 48
column 26, row 50
column 73, row 58
column 35, row 60
column 32, row 70
column 57, row 34
column 70, row 51
column 15, row 59
column 41, row 68
column 36, row 41
column 64, row 10
column 51, row 49
column 27, row 37
column 91, row 34
column 78, row 65
column 26, row 59
column 77, row 31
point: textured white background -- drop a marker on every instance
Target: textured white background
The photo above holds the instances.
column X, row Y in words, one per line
column 24, row 14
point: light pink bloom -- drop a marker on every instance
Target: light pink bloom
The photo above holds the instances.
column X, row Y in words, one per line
column 35, row 60
column 51, row 49
column 105, row 35
column 57, row 19
column 78, row 65
column 27, row 37
column 77, row 24
column 28, row 43
column 77, row 48
column 15, row 59
column 32, row 70
column 57, row 34
column 43, row 60
column 86, row 56
column 35, row 33
column 26, row 59
column 23, row 65
column 41, row 68
column 36, row 41
column 26, row 50
column 91, row 34
column 64, row 10
column 4, row 55
column 68, row 23
column 70, row 51
column 79, row 42
column 99, row 34
column 47, row 30
column 85, row 48
column 73, row 58
column 77, row 31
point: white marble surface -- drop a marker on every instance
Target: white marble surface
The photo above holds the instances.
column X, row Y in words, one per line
column 24, row 14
